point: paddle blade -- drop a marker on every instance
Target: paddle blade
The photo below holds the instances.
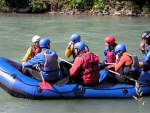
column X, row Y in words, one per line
column 62, row 82
column 45, row 85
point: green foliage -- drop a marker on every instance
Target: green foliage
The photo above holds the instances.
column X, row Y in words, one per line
column 72, row 4
column 17, row 3
column 112, row 3
column 146, row 9
column 139, row 95
column 86, row 4
column 99, row 4
column 2, row 5
column 42, row 5
column 130, row 5
column 37, row 5
column 79, row 4
column 75, row 3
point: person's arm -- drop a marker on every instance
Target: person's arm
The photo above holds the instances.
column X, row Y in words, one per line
column 76, row 65
column 27, row 56
column 38, row 59
column 118, row 65
column 69, row 51
column 105, row 50
column 147, row 57
column 111, row 66
column 144, row 55
column 142, row 47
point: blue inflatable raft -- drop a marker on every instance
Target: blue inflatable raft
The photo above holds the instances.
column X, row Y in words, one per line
column 22, row 86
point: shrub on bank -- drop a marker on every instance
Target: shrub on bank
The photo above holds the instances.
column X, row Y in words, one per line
column 146, row 9
column 41, row 6
column 2, row 5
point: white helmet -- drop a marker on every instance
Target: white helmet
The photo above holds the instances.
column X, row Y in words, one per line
column 35, row 38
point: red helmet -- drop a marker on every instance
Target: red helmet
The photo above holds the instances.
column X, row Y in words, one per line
column 110, row 39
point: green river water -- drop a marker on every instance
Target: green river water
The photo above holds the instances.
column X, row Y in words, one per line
column 16, row 32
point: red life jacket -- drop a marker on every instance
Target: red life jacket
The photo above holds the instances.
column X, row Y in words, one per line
column 90, row 62
column 35, row 50
column 90, row 70
column 110, row 56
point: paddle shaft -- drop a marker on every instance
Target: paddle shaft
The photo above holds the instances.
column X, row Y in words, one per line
column 126, row 77
column 41, row 74
column 109, row 63
column 65, row 61
column 123, row 76
column 43, row 84
column 63, row 81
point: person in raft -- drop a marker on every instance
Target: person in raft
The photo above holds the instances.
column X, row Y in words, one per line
column 47, row 60
column 109, row 55
column 33, row 50
column 145, row 64
column 74, row 38
column 85, row 69
column 127, row 62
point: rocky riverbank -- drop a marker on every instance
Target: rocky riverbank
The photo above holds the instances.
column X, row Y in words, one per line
column 120, row 9
column 110, row 12
column 122, row 12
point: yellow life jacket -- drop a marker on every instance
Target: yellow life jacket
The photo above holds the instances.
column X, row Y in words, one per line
column 69, row 51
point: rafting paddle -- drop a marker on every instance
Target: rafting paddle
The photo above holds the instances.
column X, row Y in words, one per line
column 65, row 61
column 63, row 81
column 109, row 63
column 43, row 84
column 125, row 76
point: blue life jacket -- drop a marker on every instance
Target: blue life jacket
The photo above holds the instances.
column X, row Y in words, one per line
column 48, row 62
column 51, row 63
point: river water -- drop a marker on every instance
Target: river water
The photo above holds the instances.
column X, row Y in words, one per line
column 17, row 30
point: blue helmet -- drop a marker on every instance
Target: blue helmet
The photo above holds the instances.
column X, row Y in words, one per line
column 120, row 47
column 44, row 42
column 75, row 37
column 79, row 45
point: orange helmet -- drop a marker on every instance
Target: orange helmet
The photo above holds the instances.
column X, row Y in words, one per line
column 110, row 39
